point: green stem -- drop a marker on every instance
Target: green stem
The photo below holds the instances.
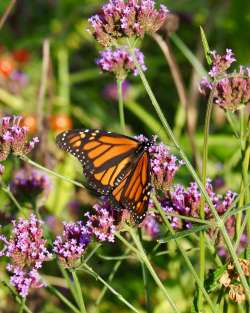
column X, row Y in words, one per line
column 121, row 105
column 50, row 172
column 203, row 201
column 22, row 305
column 11, row 196
column 69, row 282
column 145, row 282
column 118, row 295
column 185, row 256
column 167, row 127
column 111, row 276
column 142, row 255
column 79, row 292
column 63, row 299
column 16, row 296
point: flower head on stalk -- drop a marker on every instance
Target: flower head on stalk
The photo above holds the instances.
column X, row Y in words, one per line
column 230, row 90
column 29, row 183
column 27, row 251
column 14, row 138
column 120, row 62
column 187, row 202
column 131, row 18
column 164, row 166
column 102, row 222
column 72, row 244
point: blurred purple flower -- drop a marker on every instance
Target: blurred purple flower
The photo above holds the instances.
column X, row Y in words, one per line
column 132, row 18
column 27, row 251
column 72, row 244
column 102, row 222
column 14, row 138
column 29, row 182
column 2, row 168
column 110, row 91
column 151, row 226
column 120, row 62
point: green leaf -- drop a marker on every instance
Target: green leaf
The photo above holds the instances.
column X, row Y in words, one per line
column 205, row 46
column 211, row 282
column 184, row 233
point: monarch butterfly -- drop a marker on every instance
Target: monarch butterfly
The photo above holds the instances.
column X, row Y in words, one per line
column 115, row 165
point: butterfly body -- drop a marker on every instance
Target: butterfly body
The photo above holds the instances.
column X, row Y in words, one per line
column 115, row 165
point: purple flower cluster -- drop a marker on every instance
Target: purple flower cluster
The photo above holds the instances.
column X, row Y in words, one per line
column 76, row 236
column 27, row 251
column 71, row 245
column 230, row 90
column 131, row 18
column 221, row 63
column 187, row 202
column 102, row 223
column 164, row 166
column 14, row 138
column 29, row 182
column 120, row 62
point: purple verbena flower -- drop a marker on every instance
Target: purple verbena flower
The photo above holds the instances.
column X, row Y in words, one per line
column 230, row 90
column 120, row 62
column 27, row 251
column 23, row 281
column 72, row 244
column 102, row 222
column 29, row 183
column 220, row 63
column 164, row 166
column 187, row 201
column 132, row 18
column 14, row 138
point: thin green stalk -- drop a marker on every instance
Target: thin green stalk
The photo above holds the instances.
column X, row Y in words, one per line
column 11, row 196
column 16, row 296
column 22, row 305
column 219, row 222
column 69, row 282
column 145, row 282
column 63, row 299
column 79, row 292
column 203, row 201
column 50, row 172
column 111, row 276
column 117, row 294
column 185, row 256
column 142, row 255
column 121, row 105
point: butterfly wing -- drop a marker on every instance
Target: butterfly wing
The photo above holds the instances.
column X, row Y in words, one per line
column 106, row 157
column 133, row 192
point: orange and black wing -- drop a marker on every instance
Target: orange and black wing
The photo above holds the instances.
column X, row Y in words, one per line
column 106, row 157
column 133, row 192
